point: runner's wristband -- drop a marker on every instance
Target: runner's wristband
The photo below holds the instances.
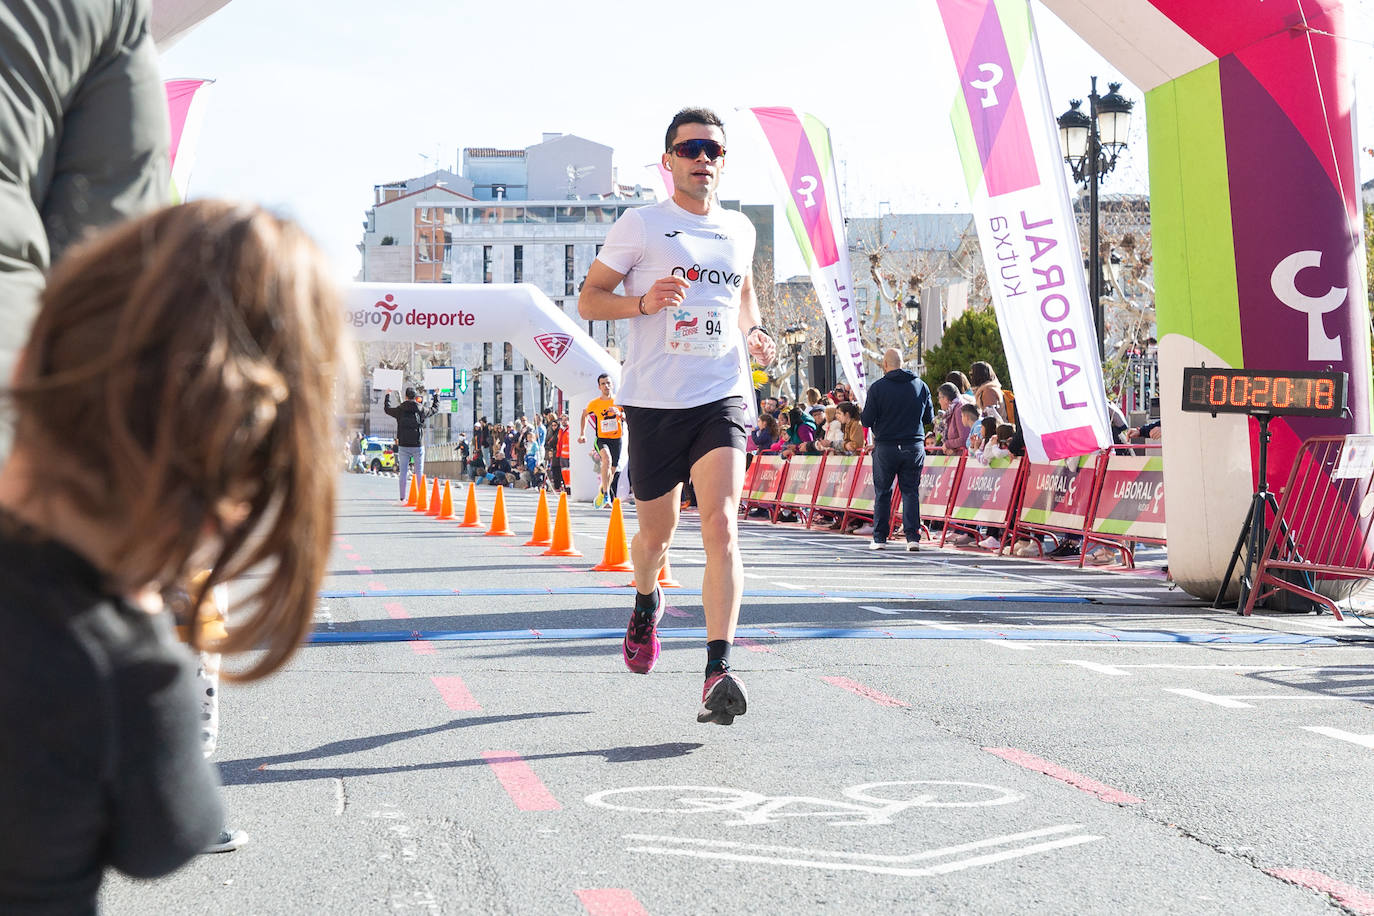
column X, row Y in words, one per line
column 758, row 327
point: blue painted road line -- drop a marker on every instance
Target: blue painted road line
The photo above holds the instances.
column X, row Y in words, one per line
column 336, row 637
column 892, row 595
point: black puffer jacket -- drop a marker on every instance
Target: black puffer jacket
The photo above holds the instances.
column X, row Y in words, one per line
column 410, row 420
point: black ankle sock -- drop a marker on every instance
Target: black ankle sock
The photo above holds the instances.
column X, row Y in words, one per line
column 646, row 605
column 717, row 656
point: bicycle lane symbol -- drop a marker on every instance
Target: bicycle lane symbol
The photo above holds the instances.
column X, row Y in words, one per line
column 869, row 804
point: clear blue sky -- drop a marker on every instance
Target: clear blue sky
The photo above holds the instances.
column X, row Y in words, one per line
column 316, row 103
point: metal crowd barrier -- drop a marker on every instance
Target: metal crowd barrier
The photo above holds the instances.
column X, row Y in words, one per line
column 1323, row 525
column 1113, row 499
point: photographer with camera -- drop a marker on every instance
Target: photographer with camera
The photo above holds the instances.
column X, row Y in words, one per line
column 411, row 415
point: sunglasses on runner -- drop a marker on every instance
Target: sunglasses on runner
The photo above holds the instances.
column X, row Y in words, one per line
column 691, row 149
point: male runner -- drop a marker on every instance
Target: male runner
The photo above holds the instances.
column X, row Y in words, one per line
column 608, row 428
column 689, row 295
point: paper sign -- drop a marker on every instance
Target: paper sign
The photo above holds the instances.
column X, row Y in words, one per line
column 445, row 406
column 439, row 378
column 384, row 379
column 1357, row 458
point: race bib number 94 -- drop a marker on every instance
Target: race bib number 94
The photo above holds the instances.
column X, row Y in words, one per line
column 695, row 331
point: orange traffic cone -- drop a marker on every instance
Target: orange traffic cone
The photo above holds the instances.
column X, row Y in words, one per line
column 541, row 536
column 435, row 498
column 470, row 519
column 665, row 576
column 421, row 500
column 562, row 532
column 500, row 528
column 410, row 500
column 616, row 556
column 446, row 505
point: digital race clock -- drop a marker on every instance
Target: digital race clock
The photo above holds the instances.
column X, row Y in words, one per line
column 1250, row 391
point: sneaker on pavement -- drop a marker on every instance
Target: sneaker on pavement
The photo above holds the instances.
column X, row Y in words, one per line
column 722, row 698
column 1065, row 549
column 1102, row 556
column 990, row 543
column 640, row 648
column 227, row 841
column 912, row 546
column 600, row 499
column 877, row 545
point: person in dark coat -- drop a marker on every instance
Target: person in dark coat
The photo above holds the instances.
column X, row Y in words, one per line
column 897, row 410
column 411, row 415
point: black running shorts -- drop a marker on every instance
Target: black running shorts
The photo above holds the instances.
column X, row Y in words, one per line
column 666, row 443
column 611, row 445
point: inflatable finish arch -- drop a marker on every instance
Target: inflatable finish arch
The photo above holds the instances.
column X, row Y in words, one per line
column 481, row 312
column 1255, row 209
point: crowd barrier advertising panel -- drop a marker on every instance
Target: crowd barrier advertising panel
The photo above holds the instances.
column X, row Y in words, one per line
column 939, row 476
column 1131, row 503
column 862, row 498
column 837, row 479
column 985, row 492
column 766, row 479
column 1059, row 494
column 799, row 484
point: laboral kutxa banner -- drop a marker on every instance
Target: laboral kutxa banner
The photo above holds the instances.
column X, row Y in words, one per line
column 1009, row 145
column 805, row 182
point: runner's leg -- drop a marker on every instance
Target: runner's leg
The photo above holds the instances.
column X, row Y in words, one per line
column 718, row 479
column 649, row 548
column 605, row 470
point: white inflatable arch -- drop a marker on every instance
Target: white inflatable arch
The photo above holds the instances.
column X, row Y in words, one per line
column 492, row 312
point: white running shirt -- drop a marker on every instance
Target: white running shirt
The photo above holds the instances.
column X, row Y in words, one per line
column 693, row 355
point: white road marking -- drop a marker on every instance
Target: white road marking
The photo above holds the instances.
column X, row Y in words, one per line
column 1009, row 644
column 878, row 610
column 1227, row 702
column 937, row 625
column 340, row 800
column 873, row 863
column 1110, row 670
column 1362, row 740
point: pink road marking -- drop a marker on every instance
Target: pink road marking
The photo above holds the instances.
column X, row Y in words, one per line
column 395, row 611
column 363, row 570
column 376, row 586
column 1053, row 770
column 751, row 645
column 611, row 901
column 674, row 612
column 520, row 781
column 422, row 647
column 535, row 632
column 1352, row 898
column 352, row 557
column 456, row 694
column 868, row 693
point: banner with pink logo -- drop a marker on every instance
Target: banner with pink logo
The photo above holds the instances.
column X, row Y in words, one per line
column 1009, row 145
column 186, row 107
column 805, row 181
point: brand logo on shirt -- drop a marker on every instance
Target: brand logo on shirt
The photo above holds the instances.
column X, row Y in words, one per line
column 553, row 345
column 696, row 274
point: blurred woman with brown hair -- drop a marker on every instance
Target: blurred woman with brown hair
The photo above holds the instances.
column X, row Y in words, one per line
column 171, row 405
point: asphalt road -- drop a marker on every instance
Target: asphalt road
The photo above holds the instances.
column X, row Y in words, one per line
column 943, row 732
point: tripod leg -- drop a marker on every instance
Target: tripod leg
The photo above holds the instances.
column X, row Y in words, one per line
column 1235, row 558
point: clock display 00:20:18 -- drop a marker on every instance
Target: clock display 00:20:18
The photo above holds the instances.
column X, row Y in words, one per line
column 1240, row 391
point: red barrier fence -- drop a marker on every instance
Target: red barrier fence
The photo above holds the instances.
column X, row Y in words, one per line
column 1323, row 526
column 1114, row 499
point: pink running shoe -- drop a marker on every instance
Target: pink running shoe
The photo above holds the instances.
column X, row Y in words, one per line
column 722, row 699
column 640, row 648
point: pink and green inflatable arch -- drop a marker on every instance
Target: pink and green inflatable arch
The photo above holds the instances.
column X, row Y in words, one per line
column 1254, row 196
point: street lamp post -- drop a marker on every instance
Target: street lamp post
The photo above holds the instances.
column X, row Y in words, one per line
column 793, row 338
column 913, row 320
column 1091, row 145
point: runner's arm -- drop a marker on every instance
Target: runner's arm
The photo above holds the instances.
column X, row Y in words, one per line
column 758, row 342
column 599, row 301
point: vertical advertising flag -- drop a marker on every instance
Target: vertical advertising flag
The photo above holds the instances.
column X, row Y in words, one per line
column 186, row 106
column 1009, row 145
column 805, row 181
